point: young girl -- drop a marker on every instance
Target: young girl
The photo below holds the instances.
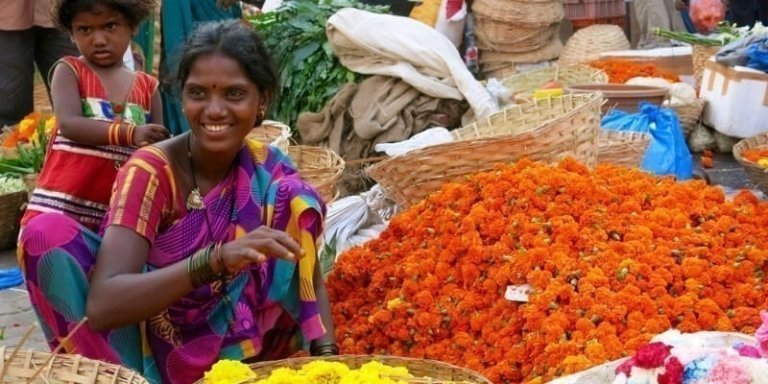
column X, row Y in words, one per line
column 103, row 109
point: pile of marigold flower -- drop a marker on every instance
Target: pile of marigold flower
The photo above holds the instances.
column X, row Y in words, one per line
column 28, row 130
column 620, row 71
column 613, row 257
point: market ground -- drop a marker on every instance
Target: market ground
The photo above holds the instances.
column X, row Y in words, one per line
column 16, row 315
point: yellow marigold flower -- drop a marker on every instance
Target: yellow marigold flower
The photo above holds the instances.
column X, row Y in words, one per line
column 27, row 128
column 228, row 372
column 49, row 125
column 763, row 162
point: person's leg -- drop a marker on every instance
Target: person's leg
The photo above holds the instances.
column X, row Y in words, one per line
column 743, row 12
column 651, row 14
column 16, row 59
column 57, row 255
column 50, row 46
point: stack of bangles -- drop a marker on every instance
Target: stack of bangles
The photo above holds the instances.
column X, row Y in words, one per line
column 199, row 265
column 121, row 133
column 329, row 349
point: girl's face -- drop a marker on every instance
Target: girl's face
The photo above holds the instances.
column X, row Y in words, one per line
column 102, row 35
column 221, row 103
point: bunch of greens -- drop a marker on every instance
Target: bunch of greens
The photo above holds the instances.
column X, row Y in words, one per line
column 29, row 157
column 310, row 75
column 724, row 34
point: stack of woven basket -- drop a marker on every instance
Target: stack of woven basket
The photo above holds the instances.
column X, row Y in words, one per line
column 514, row 32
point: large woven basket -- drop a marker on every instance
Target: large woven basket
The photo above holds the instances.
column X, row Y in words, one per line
column 320, row 167
column 524, row 84
column 756, row 173
column 10, row 215
column 20, row 366
column 587, row 44
column 272, row 133
column 529, row 14
column 546, row 130
column 622, row 148
column 689, row 114
column 429, row 369
column 700, row 55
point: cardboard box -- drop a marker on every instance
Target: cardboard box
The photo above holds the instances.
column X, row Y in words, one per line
column 737, row 99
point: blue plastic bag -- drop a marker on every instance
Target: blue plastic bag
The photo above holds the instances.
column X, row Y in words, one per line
column 668, row 153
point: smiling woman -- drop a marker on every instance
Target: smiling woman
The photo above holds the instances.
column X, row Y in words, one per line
column 209, row 240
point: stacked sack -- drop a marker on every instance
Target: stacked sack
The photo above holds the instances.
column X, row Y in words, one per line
column 515, row 33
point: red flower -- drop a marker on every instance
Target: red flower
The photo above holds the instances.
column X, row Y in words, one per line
column 652, row 355
column 626, row 367
column 673, row 372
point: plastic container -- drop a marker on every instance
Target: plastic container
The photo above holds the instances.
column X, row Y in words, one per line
column 622, row 96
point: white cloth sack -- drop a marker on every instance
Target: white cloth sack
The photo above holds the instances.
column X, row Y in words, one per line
column 432, row 136
column 354, row 220
column 376, row 44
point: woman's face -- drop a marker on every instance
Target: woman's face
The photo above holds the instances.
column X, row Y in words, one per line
column 221, row 103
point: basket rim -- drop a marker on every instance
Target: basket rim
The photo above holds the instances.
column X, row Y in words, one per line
column 745, row 144
column 383, row 358
column 58, row 363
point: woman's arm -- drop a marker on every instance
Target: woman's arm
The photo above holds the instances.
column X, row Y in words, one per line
column 325, row 310
column 121, row 293
column 69, row 110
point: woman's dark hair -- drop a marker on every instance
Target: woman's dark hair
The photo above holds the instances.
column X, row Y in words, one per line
column 235, row 40
column 63, row 11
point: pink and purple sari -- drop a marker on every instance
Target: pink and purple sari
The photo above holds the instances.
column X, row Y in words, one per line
column 263, row 313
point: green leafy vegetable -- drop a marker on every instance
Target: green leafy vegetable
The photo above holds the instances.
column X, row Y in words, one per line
column 310, row 75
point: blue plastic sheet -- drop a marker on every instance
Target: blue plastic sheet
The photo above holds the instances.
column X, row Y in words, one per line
column 11, row 277
column 668, row 153
column 757, row 56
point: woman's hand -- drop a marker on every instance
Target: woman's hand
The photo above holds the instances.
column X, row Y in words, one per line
column 255, row 248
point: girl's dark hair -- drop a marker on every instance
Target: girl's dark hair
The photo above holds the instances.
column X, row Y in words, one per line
column 235, row 40
column 63, row 11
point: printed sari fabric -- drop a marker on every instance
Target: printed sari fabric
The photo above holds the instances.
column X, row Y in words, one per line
column 256, row 314
column 77, row 178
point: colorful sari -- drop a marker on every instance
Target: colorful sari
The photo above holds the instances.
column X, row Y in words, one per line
column 256, row 315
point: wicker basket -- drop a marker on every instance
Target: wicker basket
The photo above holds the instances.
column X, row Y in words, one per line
column 10, row 215
column 756, row 173
column 320, row 167
column 429, row 369
column 542, row 130
column 528, row 14
column 524, row 84
column 587, row 44
column 504, row 37
column 19, row 366
column 548, row 52
column 690, row 114
column 622, row 148
column 272, row 133
column 700, row 55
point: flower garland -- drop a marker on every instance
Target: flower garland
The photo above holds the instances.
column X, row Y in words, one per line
column 620, row 71
column 612, row 257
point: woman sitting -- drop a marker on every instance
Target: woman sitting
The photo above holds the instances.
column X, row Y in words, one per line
column 209, row 245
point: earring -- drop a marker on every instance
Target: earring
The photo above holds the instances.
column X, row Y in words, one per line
column 263, row 114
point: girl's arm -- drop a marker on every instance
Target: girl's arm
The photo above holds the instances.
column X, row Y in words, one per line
column 324, row 307
column 69, row 110
column 156, row 111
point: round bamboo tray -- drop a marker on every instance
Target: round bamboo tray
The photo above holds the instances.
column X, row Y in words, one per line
column 549, row 52
column 756, row 173
column 547, row 130
column 11, row 205
column 523, row 85
column 272, row 133
column 529, row 14
column 587, row 44
column 504, row 37
column 700, row 55
column 625, row 149
column 42, row 367
column 320, row 167
column 425, row 370
column 689, row 114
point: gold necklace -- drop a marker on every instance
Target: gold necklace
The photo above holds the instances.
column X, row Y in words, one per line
column 195, row 199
